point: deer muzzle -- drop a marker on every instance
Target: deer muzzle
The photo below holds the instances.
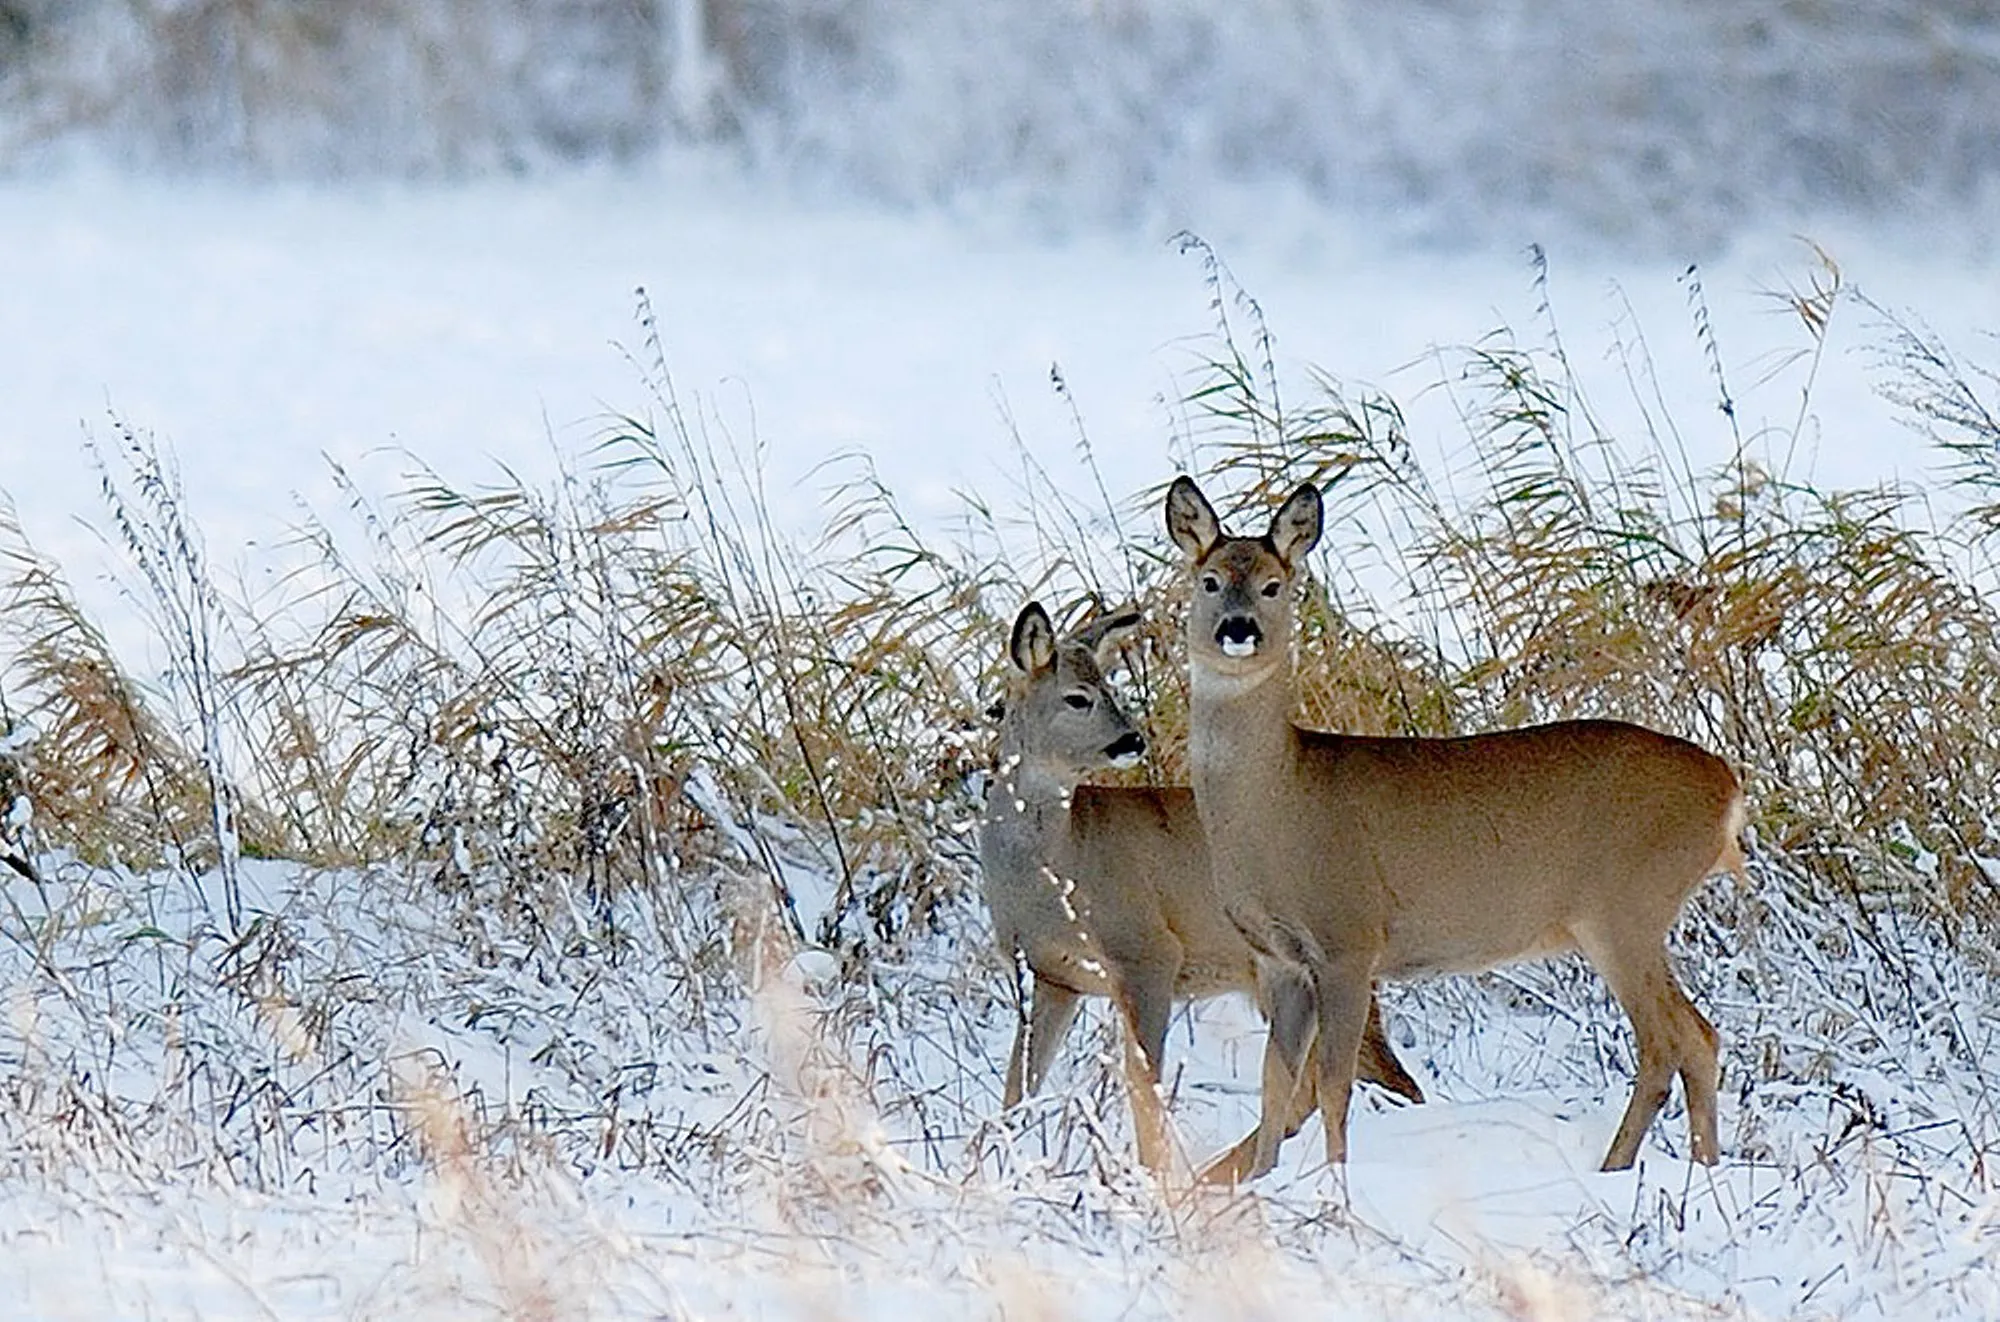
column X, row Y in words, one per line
column 1238, row 635
column 1126, row 749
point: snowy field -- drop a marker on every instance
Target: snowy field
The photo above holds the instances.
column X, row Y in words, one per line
column 260, row 332
column 384, row 1106
column 196, row 1132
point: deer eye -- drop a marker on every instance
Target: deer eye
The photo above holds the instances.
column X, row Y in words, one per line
column 1210, row 583
column 1077, row 701
column 1271, row 589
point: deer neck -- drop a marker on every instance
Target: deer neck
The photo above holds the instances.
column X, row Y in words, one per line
column 1027, row 806
column 1240, row 728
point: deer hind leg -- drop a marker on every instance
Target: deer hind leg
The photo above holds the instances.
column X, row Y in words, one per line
column 1671, row 1037
column 1701, row 1071
column 1052, row 1009
column 1378, row 1063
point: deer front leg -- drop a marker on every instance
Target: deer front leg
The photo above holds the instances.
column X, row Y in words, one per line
column 1051, row 1010
column 1146, row 1003
column 1343, row 991
column 1239, row 1163
column 1285, row 993
column 1377, row 1063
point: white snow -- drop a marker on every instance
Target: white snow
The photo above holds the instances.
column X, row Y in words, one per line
column 388, row 1127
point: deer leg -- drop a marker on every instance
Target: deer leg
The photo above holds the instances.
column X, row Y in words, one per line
column 1146, row 1002
column 1701, row 1071
column 1287, row 995
column 1378, row 1063
column 1300, row 1087
column 1627, row 973
column 1149, row 1110
column 1671, row 1037
column 1051, row 1011
column 1699, row 1065
column 1284, row 994
column 1343, row 988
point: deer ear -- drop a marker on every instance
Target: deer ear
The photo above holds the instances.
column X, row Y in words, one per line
column 1295, row 528
column 1191, row 520
column 1107, row 633
column 1033, row 645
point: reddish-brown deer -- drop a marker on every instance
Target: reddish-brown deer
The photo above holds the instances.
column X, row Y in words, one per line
column 1105, row 891
column 1344, row 859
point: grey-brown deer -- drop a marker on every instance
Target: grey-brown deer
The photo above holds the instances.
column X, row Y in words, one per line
column 1105, row 890
column 1343, row 859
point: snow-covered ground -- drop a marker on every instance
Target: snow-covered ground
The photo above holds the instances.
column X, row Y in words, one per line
column 192, row 1132
column 380, row 1106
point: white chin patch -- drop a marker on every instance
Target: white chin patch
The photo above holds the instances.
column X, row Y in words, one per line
column 1239, row 647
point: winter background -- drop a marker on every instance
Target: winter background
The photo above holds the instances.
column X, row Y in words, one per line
column 268, row 267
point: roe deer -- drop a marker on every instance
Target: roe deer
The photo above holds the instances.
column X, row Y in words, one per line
column 1105, row 891
column 1344, row 859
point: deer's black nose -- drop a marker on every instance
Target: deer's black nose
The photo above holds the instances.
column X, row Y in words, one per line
column 1128, row 747
column 1238, row 635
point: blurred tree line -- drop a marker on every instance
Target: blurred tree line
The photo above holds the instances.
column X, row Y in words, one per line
column 1647, row 119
